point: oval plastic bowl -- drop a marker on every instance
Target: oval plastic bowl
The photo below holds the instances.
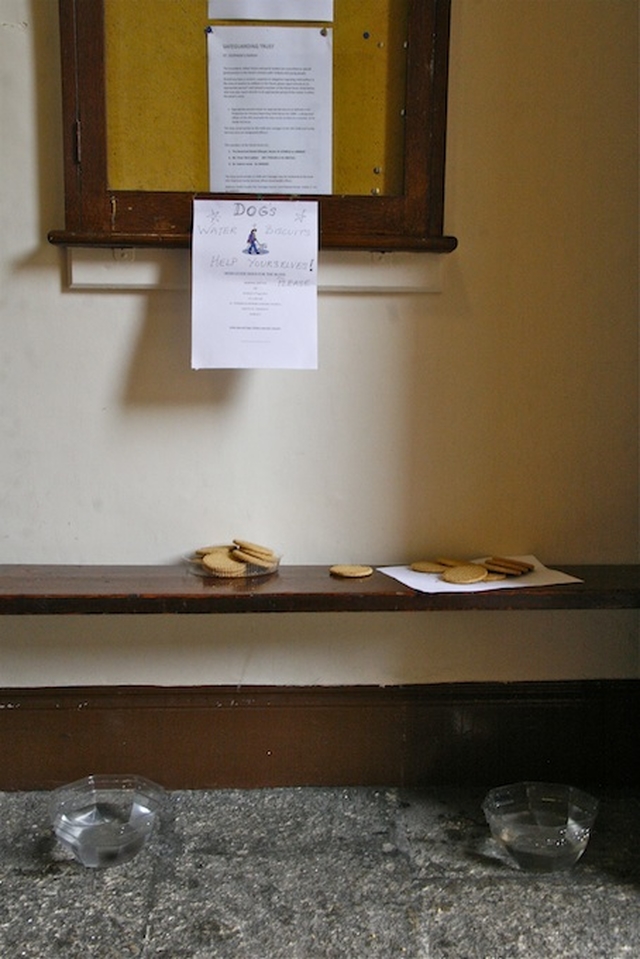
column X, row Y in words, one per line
column 105, row 820
column 545, row 827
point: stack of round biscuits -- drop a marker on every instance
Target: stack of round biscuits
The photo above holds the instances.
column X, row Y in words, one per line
column 236, row 559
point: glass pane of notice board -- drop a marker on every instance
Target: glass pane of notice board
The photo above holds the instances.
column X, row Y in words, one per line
column 134, row 76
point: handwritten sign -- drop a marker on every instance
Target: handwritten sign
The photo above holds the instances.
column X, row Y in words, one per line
column 254, row 284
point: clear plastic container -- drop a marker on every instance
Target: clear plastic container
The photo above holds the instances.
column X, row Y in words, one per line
column 105, row 820
column 545, row 827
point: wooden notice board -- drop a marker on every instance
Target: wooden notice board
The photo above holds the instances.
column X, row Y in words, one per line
column 156, row 75
column 135, row 123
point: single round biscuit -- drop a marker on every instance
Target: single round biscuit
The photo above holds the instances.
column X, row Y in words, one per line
column 512, row 561
column 254, row 548
column 350, row 571
column 495, row 567
column 221, row 565
column 427, row 566
column 465, row 575
column 265, row 562
column 226, row 573
column 494, row 577
column 270, row 558
column 446, row 561
column 510, row 565
column 203, row 550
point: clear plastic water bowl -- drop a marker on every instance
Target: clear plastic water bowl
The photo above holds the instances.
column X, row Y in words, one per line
column 105, row 820
column 545, row 827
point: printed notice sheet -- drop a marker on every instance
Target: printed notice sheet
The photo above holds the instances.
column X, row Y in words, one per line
column 271, row 10
column 270, row 109
column 254, row 284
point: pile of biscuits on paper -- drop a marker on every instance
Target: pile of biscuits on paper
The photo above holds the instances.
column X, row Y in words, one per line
column 466, row 573
column 456, row 571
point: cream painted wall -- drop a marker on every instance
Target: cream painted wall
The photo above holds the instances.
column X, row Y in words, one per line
column 498, row 415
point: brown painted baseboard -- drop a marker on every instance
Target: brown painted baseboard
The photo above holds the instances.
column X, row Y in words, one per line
column 213, row 737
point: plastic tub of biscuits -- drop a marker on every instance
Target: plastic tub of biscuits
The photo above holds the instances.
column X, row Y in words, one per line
column 240, row 559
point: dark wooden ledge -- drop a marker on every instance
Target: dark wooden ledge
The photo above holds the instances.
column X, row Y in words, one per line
column 58, row 589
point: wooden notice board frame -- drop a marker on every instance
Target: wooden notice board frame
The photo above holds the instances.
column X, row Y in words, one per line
column 97, row 214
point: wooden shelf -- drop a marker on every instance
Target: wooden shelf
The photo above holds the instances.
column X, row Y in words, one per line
column 256, row 737
column 61, row 589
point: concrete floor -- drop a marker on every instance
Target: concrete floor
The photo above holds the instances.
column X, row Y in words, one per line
column 343, row 873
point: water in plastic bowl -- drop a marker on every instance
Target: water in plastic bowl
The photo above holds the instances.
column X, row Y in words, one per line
column 545, row 827
column 105, row 821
